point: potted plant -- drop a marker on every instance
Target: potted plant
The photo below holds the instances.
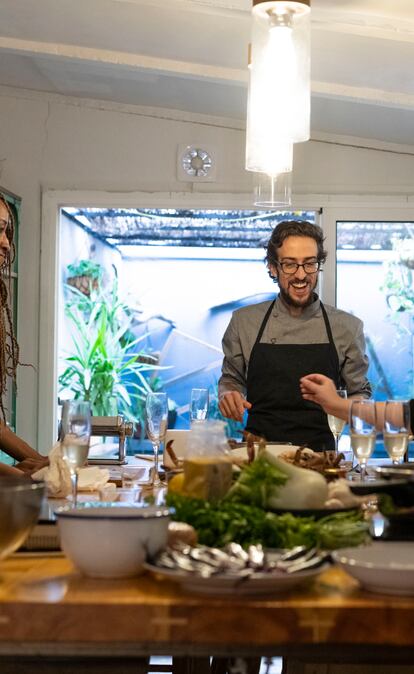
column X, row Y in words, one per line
column 85, row 276
column 106, row 362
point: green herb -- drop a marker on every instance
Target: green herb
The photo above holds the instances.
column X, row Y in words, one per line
column 227, row 520
column 386, row 505
column 257, row 483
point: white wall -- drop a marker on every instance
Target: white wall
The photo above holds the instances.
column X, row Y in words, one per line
column 49, row 142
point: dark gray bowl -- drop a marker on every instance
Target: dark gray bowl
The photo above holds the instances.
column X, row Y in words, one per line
column 20, row 503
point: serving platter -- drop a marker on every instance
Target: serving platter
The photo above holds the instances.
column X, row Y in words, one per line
column 225, row 583
column 385, row 567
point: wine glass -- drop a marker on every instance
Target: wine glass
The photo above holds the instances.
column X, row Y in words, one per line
column 336, row 424
column 396, row 428
column 362, row 426
column 75, row 438
column 156, row 408
column 199, row 404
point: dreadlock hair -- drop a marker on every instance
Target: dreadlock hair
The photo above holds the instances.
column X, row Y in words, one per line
column 9, row 348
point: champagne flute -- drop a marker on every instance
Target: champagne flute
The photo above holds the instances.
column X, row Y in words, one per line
column 362, row 426
column 199, row 404
column 75, row 438
column 396, row 429
column 336, row 424
column 156, row 408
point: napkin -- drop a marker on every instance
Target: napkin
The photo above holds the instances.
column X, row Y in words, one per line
column 57, row 475
column 92, row 478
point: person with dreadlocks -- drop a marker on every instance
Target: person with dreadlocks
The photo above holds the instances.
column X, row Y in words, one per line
column 29, row 460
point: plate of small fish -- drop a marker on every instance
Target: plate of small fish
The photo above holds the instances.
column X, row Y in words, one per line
column 236, row 571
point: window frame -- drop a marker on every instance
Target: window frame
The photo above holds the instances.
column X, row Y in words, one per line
column 330, row 207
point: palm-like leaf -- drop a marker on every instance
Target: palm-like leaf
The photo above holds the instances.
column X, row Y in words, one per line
column 103, row 364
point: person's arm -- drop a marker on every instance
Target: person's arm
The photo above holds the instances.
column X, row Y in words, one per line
column 15, row 446
column 321, row 390
column 29, row 460
column 232, row 383
column 7, row 471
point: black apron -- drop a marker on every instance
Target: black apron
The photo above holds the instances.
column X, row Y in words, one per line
column 278, row 412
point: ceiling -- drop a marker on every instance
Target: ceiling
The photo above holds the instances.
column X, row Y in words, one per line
column 190, row 56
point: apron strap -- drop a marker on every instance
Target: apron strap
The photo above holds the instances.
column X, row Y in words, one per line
column 339, row 380
column 263, row 325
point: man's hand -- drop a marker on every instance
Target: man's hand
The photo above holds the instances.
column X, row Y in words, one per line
column 232, row 405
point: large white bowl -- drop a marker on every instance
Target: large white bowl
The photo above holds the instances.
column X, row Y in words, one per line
column 112, row 540
column 385, row 567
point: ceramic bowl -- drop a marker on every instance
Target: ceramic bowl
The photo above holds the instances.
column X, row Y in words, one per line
column 112, row 540
column 20, row 503
column 380, row 567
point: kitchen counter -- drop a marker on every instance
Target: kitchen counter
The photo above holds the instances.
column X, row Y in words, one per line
column 48, row 609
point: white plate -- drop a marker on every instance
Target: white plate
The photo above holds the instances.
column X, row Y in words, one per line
column 385, row 567
column 260, row 583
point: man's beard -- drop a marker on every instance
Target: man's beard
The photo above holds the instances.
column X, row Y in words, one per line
column 294, row 303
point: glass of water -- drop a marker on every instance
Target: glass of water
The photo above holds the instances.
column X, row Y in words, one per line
column 75, row 438
column 362, row 427
column 397, row 428
column 336, row 424
column 199, row 404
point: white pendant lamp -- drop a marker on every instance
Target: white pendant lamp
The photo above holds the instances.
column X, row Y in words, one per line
column 278, row 112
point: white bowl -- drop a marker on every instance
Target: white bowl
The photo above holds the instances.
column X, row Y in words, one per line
column 112, row 540
column 386, row 567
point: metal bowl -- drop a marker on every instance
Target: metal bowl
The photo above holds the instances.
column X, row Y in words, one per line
column 20, row 503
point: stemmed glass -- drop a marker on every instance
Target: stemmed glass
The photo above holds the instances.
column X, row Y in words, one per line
column 156, row 408
column 75, row 438
column 362, row 427
column 336, row 424
column 199, row 404
column 396, row 428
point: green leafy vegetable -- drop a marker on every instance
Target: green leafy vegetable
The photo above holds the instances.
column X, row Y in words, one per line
column 228, row 520
column 257, row 483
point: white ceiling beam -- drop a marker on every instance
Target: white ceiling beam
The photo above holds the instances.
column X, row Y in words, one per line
column 390, row 99
column 117, row 58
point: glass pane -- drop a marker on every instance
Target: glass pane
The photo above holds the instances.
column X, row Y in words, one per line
column 375, row 267
column 178, row 276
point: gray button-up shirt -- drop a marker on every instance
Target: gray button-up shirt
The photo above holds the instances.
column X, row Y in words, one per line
column 282, row 328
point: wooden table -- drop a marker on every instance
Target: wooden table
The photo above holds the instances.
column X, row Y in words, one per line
column 47, row 609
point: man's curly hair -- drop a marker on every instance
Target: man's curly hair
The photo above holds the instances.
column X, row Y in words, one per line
column 288, row 228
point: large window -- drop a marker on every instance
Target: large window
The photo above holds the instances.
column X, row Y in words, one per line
column 180, row 274
column 375, row 281
column 375, row 267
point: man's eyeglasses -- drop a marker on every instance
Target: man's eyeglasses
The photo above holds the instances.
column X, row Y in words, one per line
column 292, row 267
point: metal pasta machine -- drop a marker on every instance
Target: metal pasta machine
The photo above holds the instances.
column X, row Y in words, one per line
column 111, row 427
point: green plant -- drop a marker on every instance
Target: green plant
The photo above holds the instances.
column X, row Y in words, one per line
column 85, row 268
column 105, row 363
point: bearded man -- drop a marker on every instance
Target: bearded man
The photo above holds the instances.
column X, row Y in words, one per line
column 269, row 346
